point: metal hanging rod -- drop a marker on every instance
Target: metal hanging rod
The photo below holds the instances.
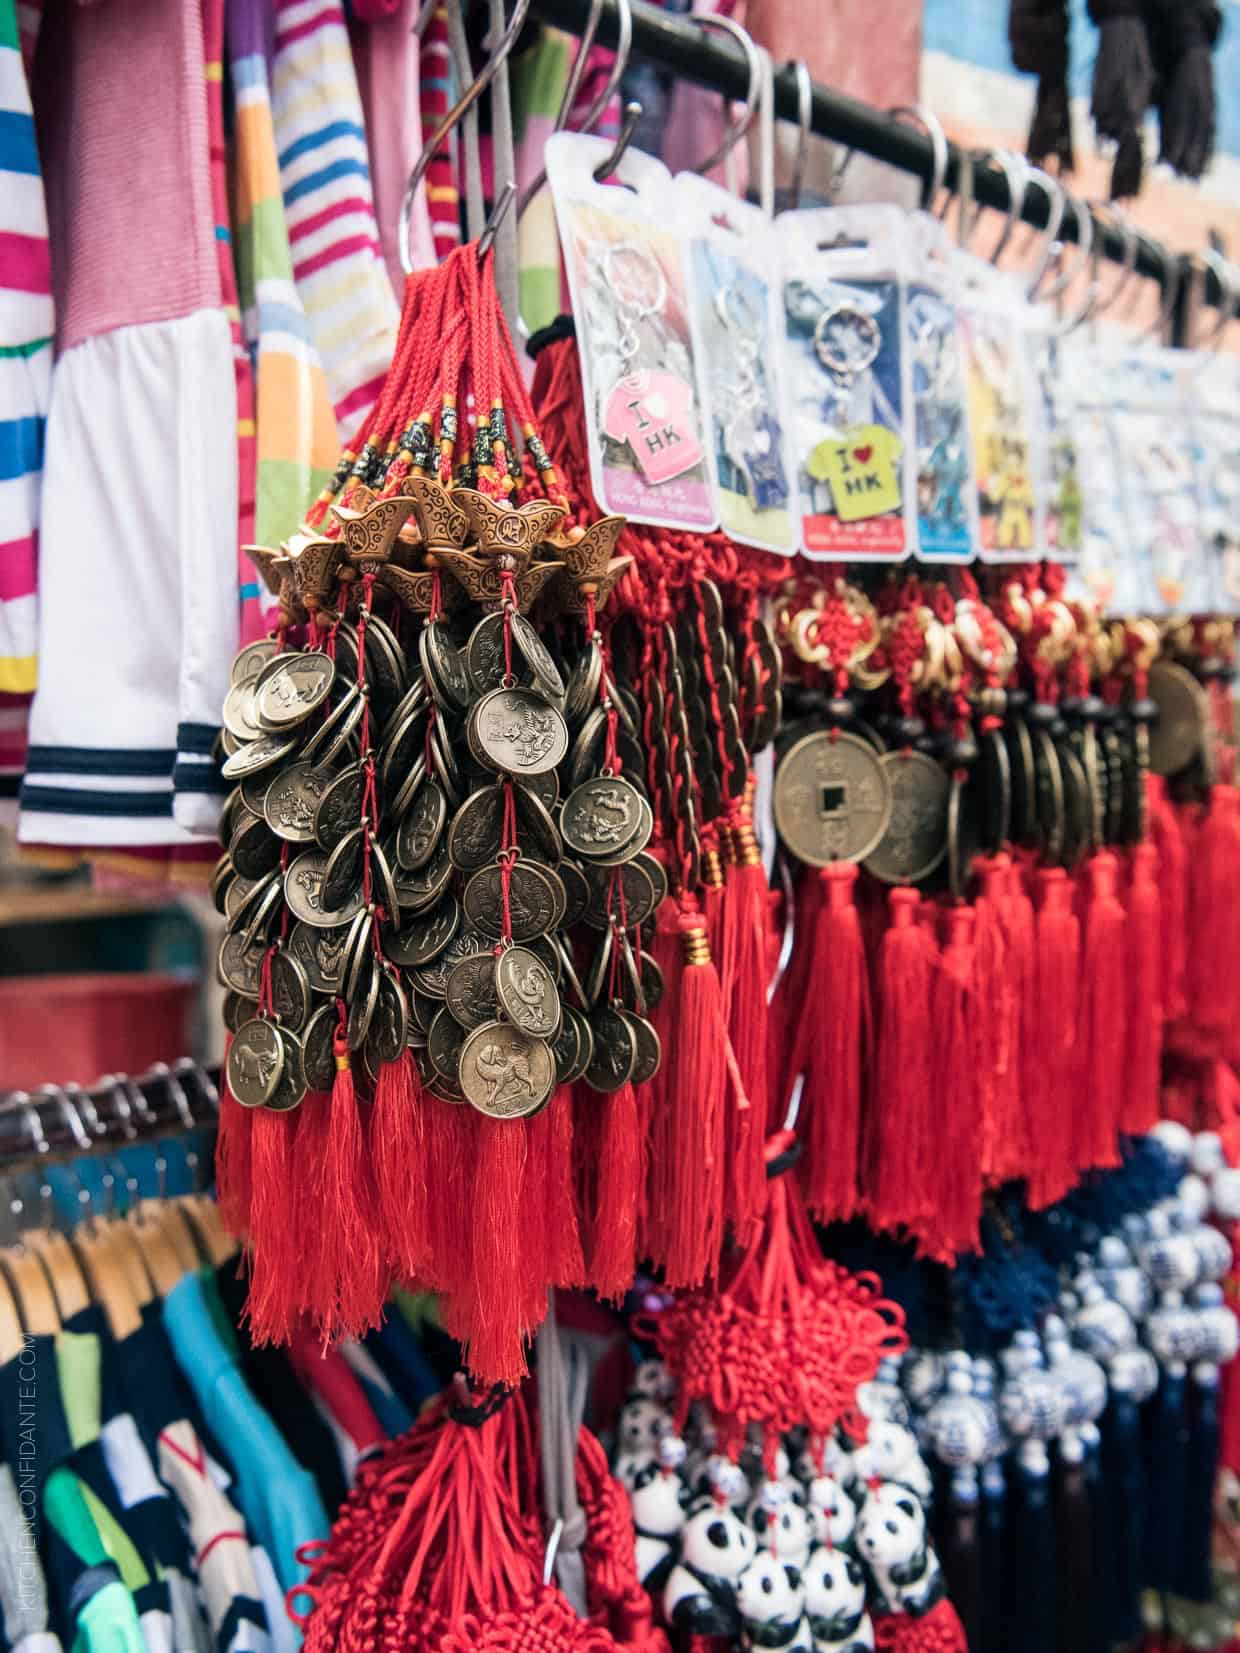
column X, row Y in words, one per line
column 717, row 63
column 67, row 1122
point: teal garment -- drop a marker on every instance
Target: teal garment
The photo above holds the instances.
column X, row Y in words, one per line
column 276, row 1495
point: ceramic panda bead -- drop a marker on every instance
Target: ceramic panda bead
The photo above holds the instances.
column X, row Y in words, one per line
column 835, row 1591
column 642, row 1423
column 890, row 1453
column 780, row 1524
column 882, row 1397
column 700, row 1594
column 658, row 1498
column 629, row 1465
column 891, row 1540
column 832, row 1513
column 770, row 1600
column 653, row 1381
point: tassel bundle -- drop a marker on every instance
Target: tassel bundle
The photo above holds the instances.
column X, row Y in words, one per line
column 1101, row 1016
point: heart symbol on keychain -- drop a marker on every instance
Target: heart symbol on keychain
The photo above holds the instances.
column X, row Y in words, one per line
column 862, row 455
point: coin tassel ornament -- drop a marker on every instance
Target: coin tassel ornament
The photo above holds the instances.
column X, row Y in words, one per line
column 421, row 957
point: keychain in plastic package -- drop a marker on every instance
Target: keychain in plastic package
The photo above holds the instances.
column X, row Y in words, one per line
column 1212, row 395
column 844, row 380
column 731, row 257
column 1165, row 567
column 993, row 314
column 946, row 501
column 1057, row 528
column 1096, row 575
column 644, row 413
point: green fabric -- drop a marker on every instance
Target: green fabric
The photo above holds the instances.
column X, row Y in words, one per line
column 78, row 1365
column 418, row 1308
column 109, row 1623
column 117, row 1542
column 9, row 351
column 8, row 24
column 538, row 78
column 67, row 1511
column 285, row 495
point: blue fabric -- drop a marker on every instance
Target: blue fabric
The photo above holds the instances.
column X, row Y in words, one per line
column 400, row 1355
column 278, row 1498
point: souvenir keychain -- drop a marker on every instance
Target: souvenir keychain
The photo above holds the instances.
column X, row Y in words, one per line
column 843, row 367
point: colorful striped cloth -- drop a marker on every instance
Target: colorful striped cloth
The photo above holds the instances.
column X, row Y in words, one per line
column 26, row 327
column 297, row 444
column 325, row 176
column 443, row 200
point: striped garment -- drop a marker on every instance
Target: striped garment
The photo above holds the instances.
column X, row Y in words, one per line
column 329, row 209
column 443, row 200
column 26, row 326
column 297, row 444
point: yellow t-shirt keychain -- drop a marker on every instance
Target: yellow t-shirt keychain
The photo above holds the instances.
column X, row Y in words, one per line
column 861, row 466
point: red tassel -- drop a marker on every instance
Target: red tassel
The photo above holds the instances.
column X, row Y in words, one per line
column 745, row 925
column 488, row 1311
column 995, row 1006
column 1101, row 1017
column 277, row 1276
column 1050, row 1076
column 613, row 1235
column 398, row 1154
column 901, row 1111
column 1145, row 984
column 565, row 1265
column 687, row 1177
column 956, row 1144
column 831, row 1049
column 1019, row 929
column 1214, row 922
column 938, row 1631
column 1164, row 828
column 233, row 1185
column 451, row 1154
column 668, row 955
column 352, row 1283
column 790, row 999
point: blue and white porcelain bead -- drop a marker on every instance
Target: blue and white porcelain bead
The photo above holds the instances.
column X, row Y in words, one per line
column 1213, row 1252
column 1225, row 1194
column 963, row 1431
column 1207, row 1154
column 921, row 1375
column 1168, row 1256
column 1220, row 1334
column 1101, row 1325
column 1134, row 1374
column 1177, row 1139
column 1173, row 1333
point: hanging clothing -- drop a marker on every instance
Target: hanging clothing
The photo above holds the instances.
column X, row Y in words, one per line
column 23, row 1587
column 325, row 176
column 136, row 638
column 385, row 1402
column 26, row 327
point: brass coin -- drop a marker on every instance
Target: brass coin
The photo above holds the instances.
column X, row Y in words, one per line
column 326, row 741
column 1024, row 781
column 259, row 913
column 476, row 835
column 239, row 966
column 292, row 800
column 290, row 990
column 256, row 755
column 470, row 990
column 255, row 1062
column 253, row 791
column 340, row 807
column 402, row 799
column 224, row 745
column 382, row 882
column 1135, row 749
column 422, row 1012
column 526, row 991
column 318, row 1049
column 614, row 1057
column 534, row 652
column 1111, row 743
column 546, row 788
column 832, row 798
column 1085, row 745
column 566, row 1047
column 1048, row 774
column 236, row 893
column 647, row 1045
column 300, row 682
column 414, row 699
column 504, row 1073
column 576, row 892
column 585, row 1047
column 421, row 827
column 444, row 760
column 432, row 979
column 641, row 980
column 342, row 870
column 362, row 1007
column 424, row 937
column 240, row 713
column 582, row 690
column 627, row 893
column 568, row 970
column 401, row 750
column 586, row 757
column 599, row 978
column 1183, row 723
column 484, row 655
column 532, row 901
column 415, row 891
column 238, row 1010
column 962, row 840
column 915, row 839
column 385, row 666
column 320, row 954
column 444, row 666
column 645, row 827
column 291, row 1086
column 358, row 949
column 444, row 1039
column 517, row 732
column 389, row 1027
column 248, row 663
column 657, row 874
column 1078, row 807
column 601, row 817
column 990, row 785
column 536, row 831
column 303, row 892
column 346, row 654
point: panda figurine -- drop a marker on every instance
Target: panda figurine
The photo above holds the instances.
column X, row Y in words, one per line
column 653, row 1381
column 781, row 1524
column 700, row 1594
column 629, row 1465
column 658, row 1498
column 642, row 1424
column 890, row 1453
column 835, row 1587
column 832, row 1513
column 769, row 1599
column 891, row 1539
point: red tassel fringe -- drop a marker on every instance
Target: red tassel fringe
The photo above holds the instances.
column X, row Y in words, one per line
column 1145, row 986
column 1102, row 1017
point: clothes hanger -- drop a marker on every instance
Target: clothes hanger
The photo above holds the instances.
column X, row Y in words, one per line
column 127, row 1249
column 196, row 1212
column 22, row 1267
column 99, row 1247
column 53, row 1249
column 460, row 108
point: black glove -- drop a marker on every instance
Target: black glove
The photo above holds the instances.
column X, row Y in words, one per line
column 1038, row 33
column 1182, row 34
column 1123, row 86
